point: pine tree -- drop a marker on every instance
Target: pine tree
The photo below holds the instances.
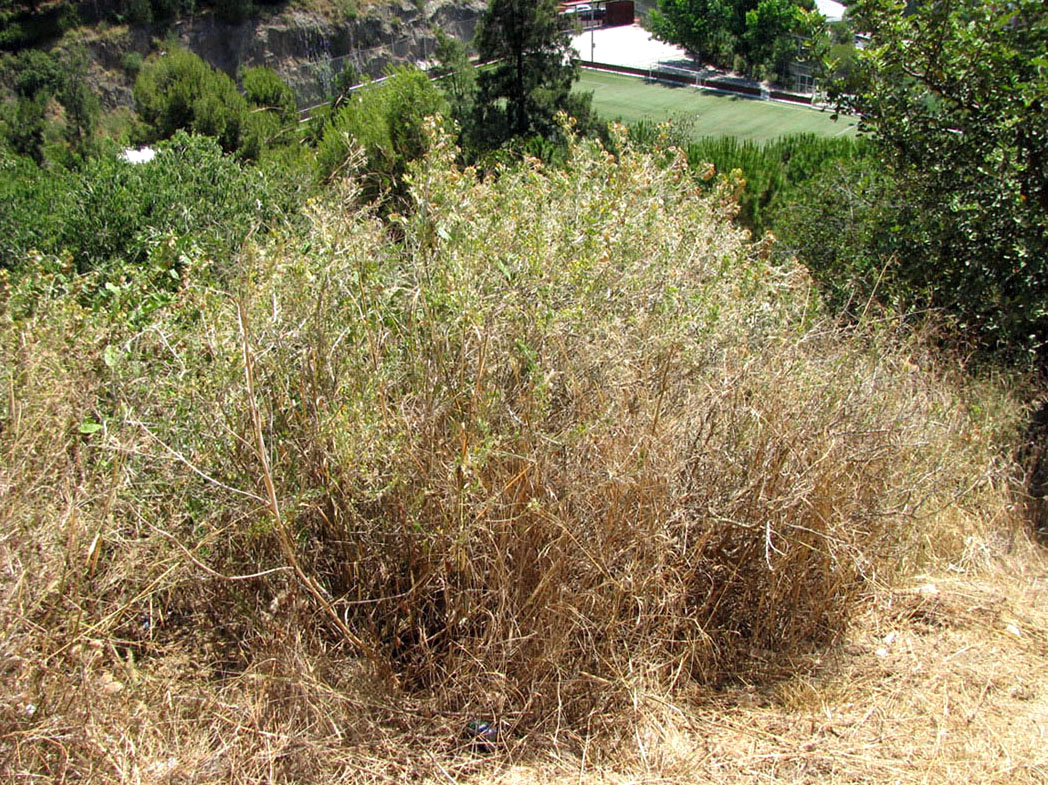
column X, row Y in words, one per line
column 534, row 67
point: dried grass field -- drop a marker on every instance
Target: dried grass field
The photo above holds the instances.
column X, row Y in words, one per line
column 942, row 679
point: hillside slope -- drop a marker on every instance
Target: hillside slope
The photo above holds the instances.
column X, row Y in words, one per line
column 306, row 45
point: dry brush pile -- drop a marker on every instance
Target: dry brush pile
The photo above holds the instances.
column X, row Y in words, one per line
column 569, row 437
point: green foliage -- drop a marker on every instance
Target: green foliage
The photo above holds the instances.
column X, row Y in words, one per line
column 758, row 35
column 178, row 90
column 37, row 77
column 273, row 116
column 189, row 194
column 956, row 95
column 457, row 78
column 28, row 24
column 264, row 89
column 705, row 27
column 35, row 71
column 532, row 72
column 119, row 220
column 138, row 12
column 81, row 104
column 33, row 204
column 24, row 125
column 384, row 121
column 769, row 37
column 847, row 226
column 772, row 172
column 132, row 63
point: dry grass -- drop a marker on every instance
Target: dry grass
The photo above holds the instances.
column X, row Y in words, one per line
column 572, row 455
column 943, row 679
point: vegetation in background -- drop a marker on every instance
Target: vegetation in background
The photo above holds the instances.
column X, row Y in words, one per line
column 773, row 172
column 176, row 90
column 532, row 71
column 32, row 23
column 27, row 23
column 115, row 218
column 33, row 206
column 37, row 78
column 846, row 225
column 955, row 96
column 761, row 36
column 457, row 78
column 272, row 116
column 384, row 122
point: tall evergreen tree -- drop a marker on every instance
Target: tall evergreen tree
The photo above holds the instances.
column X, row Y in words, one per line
column 534, row 67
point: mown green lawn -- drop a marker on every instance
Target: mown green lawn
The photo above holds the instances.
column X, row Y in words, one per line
column 630, row 98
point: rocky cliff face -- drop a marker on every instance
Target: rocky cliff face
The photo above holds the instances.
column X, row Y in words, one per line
column 306, row 49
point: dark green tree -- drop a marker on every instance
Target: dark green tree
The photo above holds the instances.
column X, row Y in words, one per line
column 24, row 126
column 80, row 102
column 272, row 114
column 771, row 38
column 265, row 90
column 35, row 71
column 38, row 77
column 755, row 34
column 532, row 71
column 384, row 122
column 457, row 79
column 180, row 91
column 956, row 95
column 708, row 28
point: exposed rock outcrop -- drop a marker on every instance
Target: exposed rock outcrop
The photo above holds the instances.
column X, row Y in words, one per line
column 306, row 49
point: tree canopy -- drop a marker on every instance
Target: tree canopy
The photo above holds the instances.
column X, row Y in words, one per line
column 756, row 34
column 534, row 68
column 956, row 96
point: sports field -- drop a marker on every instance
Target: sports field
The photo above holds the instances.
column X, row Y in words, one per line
column 629, row 99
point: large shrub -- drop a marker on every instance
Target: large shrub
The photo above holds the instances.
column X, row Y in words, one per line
column 954, row 95
column 33, row 205
column 569, row 438
column 773, row 172
column 190, row 193
column 178, row 91
column 384, row 121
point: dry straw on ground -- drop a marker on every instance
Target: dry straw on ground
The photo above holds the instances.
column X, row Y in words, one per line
column 572, row 456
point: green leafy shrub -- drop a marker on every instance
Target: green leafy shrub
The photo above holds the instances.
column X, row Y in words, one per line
column 178, row 90
column 384, row 121
column 954, row 97
column 33, row 204
column 264, row 89
column 122, row 213
column 132, row 63
column 848, row 227
column 772, row 171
